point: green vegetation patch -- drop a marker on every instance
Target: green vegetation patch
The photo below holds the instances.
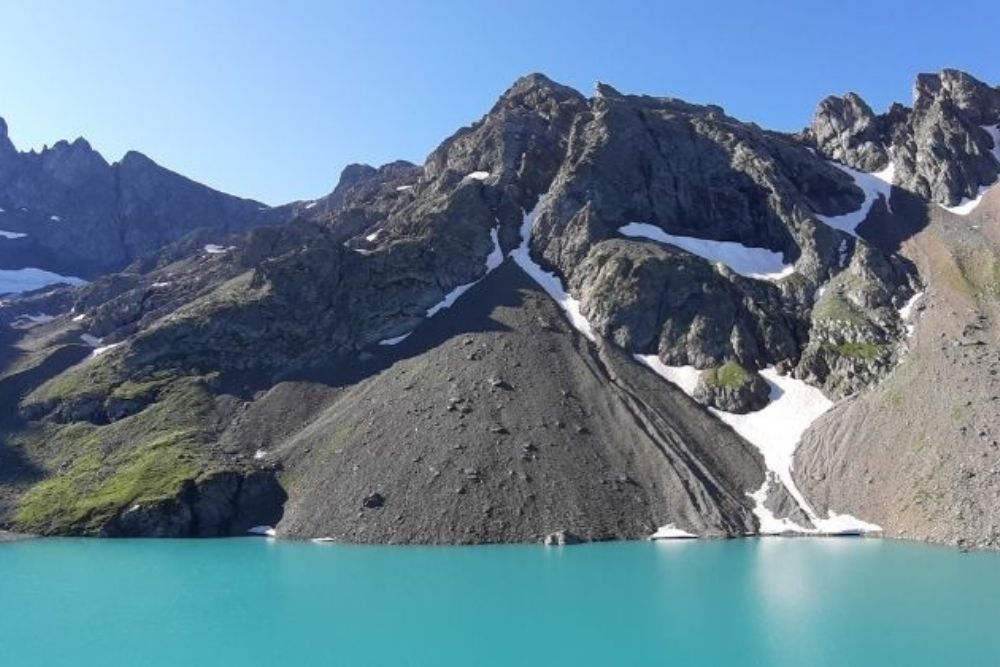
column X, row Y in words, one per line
column 96, row 471
column 729, row 375
column 93, row 490
column 834, row 306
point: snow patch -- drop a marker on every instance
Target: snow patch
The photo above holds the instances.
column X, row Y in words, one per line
column 90, row 339
column 214, row 249
column 873, row 185
column 11, row 235
column 15, row 281
column 477, row 176
column 967, row 205
column 548, row 281
column 55, row 218
column 403, row 188
column 79, row 318
column 323, row 540
column 374, row 235
column 759, row 263
column 395, row 341
column 259, row 454
column 160, row 284
column 266, row 531
column 311, row 204
column 671, row 532
column 98, row 351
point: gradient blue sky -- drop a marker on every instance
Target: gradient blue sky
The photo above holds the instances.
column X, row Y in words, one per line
column 271, row 99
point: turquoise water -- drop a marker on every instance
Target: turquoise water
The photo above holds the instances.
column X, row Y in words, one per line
column 260, row 602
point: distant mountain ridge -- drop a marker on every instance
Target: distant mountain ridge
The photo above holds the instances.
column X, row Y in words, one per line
column 80, row 215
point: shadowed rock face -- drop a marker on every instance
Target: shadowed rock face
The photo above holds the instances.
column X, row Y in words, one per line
column 287, row 336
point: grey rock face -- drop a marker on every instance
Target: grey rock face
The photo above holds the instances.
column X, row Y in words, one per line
column 846, row 130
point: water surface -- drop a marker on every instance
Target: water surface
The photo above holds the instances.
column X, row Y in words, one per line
column 260, row 602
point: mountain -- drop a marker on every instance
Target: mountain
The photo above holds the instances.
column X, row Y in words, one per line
column 66, row 210
column 581, row 318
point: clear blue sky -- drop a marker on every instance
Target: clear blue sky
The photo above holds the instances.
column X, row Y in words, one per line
column 271, row 99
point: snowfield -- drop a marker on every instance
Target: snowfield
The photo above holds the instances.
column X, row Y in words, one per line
column 759, row 263
column 775, row 431
column 874, row 185
column 15, row 281
column 967, row 206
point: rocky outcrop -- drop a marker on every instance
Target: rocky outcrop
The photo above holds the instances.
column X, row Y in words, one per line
column 732, row 388
column 939, row 148
column 222, row 504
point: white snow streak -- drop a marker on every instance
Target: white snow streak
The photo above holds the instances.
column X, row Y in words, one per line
column 874, row 185
column 477, row 176
column 79, row 318
column 403, row 188
column 493, row 260
column 24, row 280
column 266, row 531
column 967, row 206
column 906, row 312
column 394, row 341
column 98, row 351
column 374, row 235
column 548, row 281
column 759, row 263
column 11, row 235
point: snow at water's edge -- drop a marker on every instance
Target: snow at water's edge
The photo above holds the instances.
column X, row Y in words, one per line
column 671, row 532
column 874, row 185
column 548, row 281
column 759, row 263
column 776, row 431
column 265, row 531
column 967, row 206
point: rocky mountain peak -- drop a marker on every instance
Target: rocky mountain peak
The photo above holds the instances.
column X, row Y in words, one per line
column 978, row 102
column 6, row 146
column 847, row 130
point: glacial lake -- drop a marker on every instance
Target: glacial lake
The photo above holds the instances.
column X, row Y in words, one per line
column 262, row 602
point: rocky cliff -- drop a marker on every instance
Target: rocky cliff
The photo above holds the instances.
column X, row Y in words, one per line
column 582, row 317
